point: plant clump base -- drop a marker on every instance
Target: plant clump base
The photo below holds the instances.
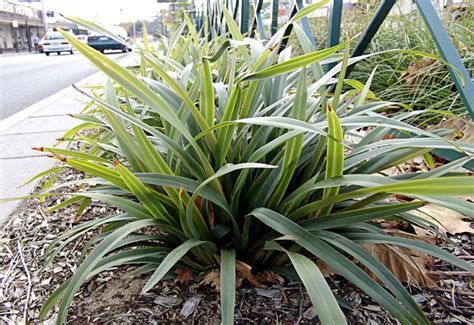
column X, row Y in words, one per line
column 114, row 296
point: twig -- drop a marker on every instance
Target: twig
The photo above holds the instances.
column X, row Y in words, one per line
column 449, row 273
column 28, row 292
column 452, row 296
column 459, row 292
column 300, row 307
column 451, row 309
column 13, row 263
column 40, row 209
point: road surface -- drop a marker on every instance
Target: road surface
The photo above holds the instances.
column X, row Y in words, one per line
column 27, row 79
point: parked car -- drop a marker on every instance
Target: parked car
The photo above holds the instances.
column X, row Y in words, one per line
column 102, row 42
column 82, row 38
column 54, row 42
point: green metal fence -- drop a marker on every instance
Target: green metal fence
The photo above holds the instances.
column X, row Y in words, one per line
column 248, row 14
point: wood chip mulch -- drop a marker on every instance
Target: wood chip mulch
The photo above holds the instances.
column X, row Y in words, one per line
column 114, row 296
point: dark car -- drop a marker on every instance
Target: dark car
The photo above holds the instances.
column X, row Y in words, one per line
column 102, row 42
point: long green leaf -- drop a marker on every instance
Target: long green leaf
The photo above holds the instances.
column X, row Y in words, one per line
column 294, row 64
column 378, row 269
column 413, row 244
column 169, row 261
column 145, row 195
column 335, row 153
column 92, row 260
column 293, row 146
column 228, row 284
column 318, row 289
column 436, row 187
column 307, row 10
column 333, row 259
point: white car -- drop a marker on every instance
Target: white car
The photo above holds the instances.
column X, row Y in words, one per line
column 54, row 42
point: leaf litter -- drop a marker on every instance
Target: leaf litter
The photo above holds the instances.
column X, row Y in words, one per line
column 114, row 296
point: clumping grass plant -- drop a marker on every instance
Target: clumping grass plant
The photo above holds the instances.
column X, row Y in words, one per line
column 232, row 151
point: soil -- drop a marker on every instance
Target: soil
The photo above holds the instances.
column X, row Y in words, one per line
column 114, row 297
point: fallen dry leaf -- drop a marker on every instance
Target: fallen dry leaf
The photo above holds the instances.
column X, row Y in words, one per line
column 268, row 276
column 451, row 221
column 325, row 269
column 413, row 76
column 464, row 128
column 183, row 275
column 420, row 234
column 212, row 278
column 403, row 266
column 425, row 235
column 246, row 271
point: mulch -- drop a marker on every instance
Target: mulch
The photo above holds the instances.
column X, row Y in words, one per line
column 113, row 297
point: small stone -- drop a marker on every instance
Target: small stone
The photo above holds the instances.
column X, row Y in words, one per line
column 57, row 269
column 310, row 313
column 273, row 293
column 190, row 306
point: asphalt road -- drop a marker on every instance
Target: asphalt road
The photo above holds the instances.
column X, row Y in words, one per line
column 27, row 79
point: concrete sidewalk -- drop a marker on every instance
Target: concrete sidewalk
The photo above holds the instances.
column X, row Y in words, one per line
column 36, row 126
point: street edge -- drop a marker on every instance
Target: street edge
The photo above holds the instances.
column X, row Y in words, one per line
column 30, row 110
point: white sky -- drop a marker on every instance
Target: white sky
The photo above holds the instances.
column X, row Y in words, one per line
column 105, row 11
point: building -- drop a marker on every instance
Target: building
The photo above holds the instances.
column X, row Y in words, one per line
column 18, row 25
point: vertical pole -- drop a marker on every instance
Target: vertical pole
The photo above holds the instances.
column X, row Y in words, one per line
column 371, row 30
column 258, row 21
column 28, row 35
column 244, row 16
column 334, row 28
column 15, row 37
column 449, row 54
column 288, row 30
column 43, row 16
column 274, row 25
column 305, row 24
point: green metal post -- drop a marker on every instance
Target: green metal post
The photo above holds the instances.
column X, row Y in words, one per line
column 244, row 16
column 258, row 20
column 449, row 53
column 334, row 28
column 274, row 25
column 305, row 24
column 288, row 30
column 371, row 30
column 236, row 9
